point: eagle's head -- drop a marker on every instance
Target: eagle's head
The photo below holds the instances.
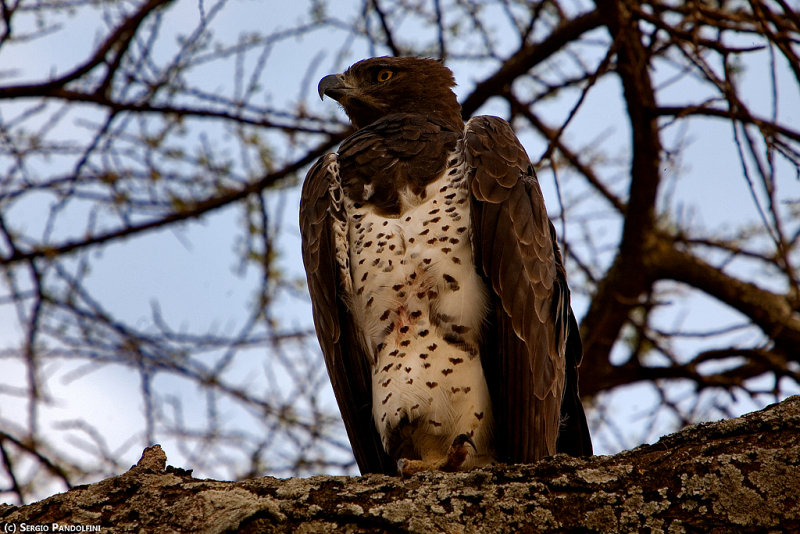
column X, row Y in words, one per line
column 376, row 87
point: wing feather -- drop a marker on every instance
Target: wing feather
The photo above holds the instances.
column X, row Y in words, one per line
column 523, row 352
column 347, row 364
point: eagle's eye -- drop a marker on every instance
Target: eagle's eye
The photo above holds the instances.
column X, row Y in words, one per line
column 384, row 75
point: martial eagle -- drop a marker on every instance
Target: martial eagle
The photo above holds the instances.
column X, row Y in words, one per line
column 438, row 290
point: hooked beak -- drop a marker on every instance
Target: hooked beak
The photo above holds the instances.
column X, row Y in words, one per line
column 332, row 85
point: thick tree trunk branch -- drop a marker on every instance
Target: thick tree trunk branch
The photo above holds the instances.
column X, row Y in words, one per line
column 627, row 280
column 736, row 475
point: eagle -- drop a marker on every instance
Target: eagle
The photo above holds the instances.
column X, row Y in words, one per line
column 438, row 291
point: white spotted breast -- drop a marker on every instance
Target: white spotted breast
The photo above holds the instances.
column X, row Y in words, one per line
column 419, row 304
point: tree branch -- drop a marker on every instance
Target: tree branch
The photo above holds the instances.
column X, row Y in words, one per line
column 736, row 475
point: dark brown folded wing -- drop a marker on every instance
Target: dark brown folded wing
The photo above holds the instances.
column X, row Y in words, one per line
column 348, row 365
column 523, row 352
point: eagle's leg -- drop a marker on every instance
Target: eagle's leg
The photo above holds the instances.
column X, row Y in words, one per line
column 455, row 458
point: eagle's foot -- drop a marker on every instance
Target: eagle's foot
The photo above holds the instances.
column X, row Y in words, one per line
column 458, row 452
column 455, row 458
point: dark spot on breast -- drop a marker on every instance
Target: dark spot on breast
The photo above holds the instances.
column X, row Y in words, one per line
column 460, row 328
column 394, row 352
column 383, row 417
column 453, row 339
column 446, row 372
column 443, row 239
column 426, row 365
column 450, row 195
column 380, row 346
column 415, row 313
column 433, row 211
column 411, row 239
column 380, row 235
column 361, row 261
column 385, row 315
column 404, row 329
column 392, row 246
column 376, row 261
column 425, row 231
column 467, row 389
column 407, row 370
column 381, row 243
column 386, row 382
column 451, row 209
column 421, row 295
column 401, row 355
column 397, row 287
column 445, row 228
column 426, row 261
column 360, row 290
column 364, row 277
column 423, row 333
column 431, row 384
column 479, row 415
column 443, row 189
column 452, row 283
column 432, row 347
column 442, row 318
column 461, row 229
column 456, row 260
column 408, row 219
column 386, row 398
column 386, row 367
column 434, row 423
column 415, row 407
column 385, row 223
column 454, row 240
column 432, row 240
column 455, row 390
column 405, row 343
column 368, row 244
column 423, row 355
column 370, row 301
column 456, row 361
column 446, row 250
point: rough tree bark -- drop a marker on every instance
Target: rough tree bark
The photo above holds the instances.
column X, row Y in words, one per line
column 739, row 475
